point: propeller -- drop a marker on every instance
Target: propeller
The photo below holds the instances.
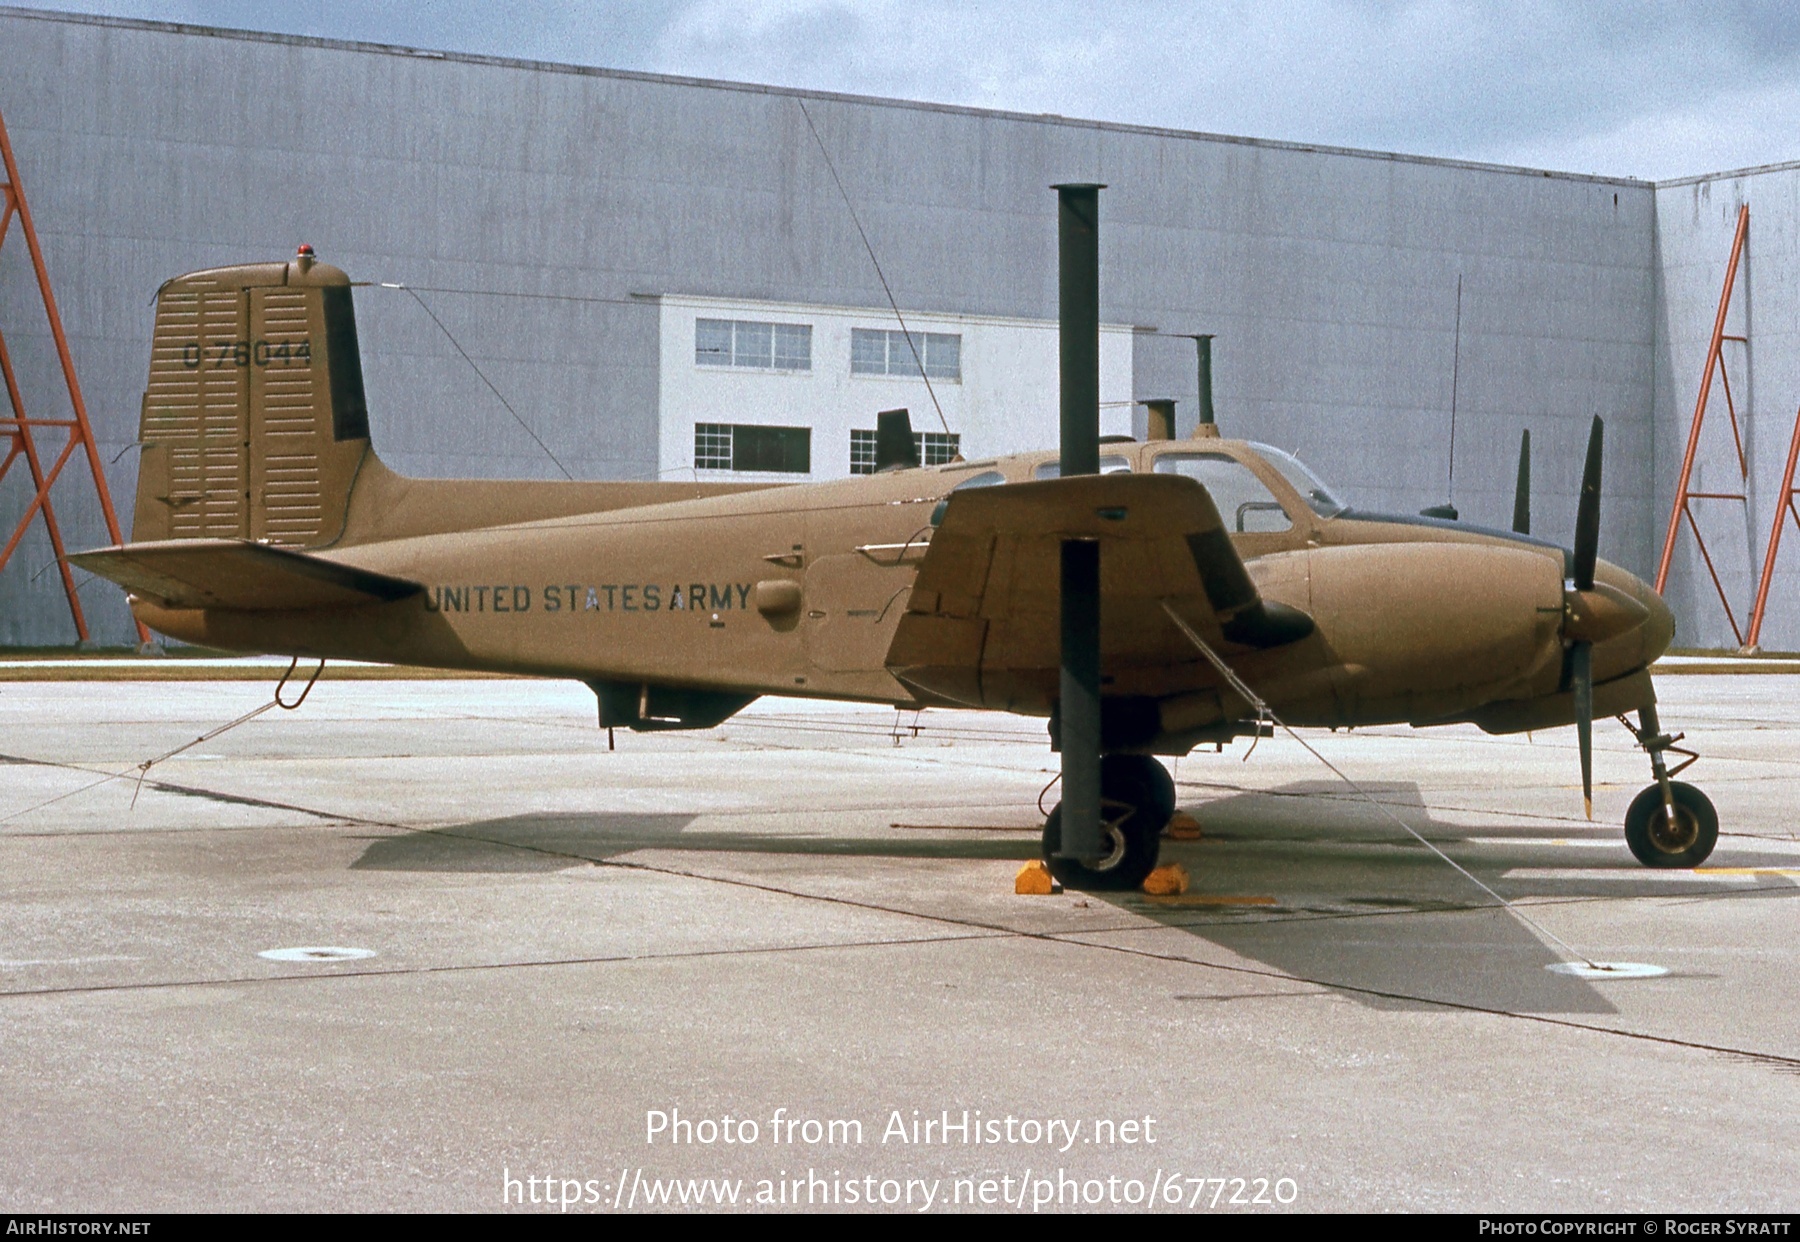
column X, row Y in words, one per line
column 1581, row 655
column 1587, row 511
column 1592, row 612
column 1522, row 490
column 1581, row 672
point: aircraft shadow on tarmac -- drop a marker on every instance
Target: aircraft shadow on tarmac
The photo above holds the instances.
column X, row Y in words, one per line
column 553, row 841
column 1335, row 892
column 1331, row 891
column 1300, row 878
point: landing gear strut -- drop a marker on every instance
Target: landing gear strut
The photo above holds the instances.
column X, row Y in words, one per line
column 1670, row 824
column 1137, row 799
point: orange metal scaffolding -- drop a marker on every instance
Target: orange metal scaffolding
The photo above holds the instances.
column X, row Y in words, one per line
column 1784, row 505
column 17, row 430
column 1684, row 495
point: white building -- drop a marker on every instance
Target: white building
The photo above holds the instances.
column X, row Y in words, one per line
column 786, row 391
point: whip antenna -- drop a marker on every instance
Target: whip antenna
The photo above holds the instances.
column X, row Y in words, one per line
column 879, row 275
column 1455, row 369
column 457, row 345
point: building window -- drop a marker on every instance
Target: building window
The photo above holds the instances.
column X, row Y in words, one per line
column 876, row 351
column 862, row 452
column 934, row 448
column 712, row 446
column 760, row 346
column 744, row 446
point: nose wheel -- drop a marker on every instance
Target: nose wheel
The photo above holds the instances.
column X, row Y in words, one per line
column 1680, row 833
column 1670, row 823
column 1137, row 799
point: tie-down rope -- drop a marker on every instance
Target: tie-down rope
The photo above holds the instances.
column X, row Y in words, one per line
column 143, row 769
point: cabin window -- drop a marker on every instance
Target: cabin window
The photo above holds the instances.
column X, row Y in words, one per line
column 759, row 346
column 1109, row 464
column 1243, row 500
column 877, row 351
column 987, row 478
column 935, row 448
column 751, row 447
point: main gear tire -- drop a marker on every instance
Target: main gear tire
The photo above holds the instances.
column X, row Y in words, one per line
column 1685, row 842
column 1130, row 846
column 1142, row 781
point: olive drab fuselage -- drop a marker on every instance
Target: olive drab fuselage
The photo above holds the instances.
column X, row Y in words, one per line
column 799, row 590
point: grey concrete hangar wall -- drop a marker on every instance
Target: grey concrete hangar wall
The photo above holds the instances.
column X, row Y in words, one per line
column 529, row 203
column 1696, row 219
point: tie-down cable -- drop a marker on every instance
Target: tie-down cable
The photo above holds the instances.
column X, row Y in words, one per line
column 143, row 768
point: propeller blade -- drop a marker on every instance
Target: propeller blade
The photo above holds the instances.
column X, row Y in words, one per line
column 1587, row 514
column 1581, row 675
column 1522, row 492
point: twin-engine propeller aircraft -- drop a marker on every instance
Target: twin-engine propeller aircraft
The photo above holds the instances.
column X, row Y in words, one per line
column 265, row 522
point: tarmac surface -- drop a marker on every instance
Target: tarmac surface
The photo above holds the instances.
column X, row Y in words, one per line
column 808, row 915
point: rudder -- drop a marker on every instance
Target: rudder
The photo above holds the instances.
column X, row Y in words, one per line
column 254, row 422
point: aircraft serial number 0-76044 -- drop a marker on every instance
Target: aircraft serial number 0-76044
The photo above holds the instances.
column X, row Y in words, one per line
column 283, row 532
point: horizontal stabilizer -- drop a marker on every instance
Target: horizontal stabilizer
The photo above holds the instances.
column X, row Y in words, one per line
column 233, row 573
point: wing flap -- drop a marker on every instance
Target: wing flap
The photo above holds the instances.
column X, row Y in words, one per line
column 235, row 574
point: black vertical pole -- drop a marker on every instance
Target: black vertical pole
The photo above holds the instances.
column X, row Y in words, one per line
column 1078, row 323
column 1078, row 267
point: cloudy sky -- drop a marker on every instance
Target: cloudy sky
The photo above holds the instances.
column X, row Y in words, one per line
column 1643, row 88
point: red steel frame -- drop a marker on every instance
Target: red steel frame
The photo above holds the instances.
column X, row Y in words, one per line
column 1784, row 505
column 1683, row 496
column 17, row 430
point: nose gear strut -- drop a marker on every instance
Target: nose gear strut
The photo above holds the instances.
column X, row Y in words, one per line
column 1670, row 823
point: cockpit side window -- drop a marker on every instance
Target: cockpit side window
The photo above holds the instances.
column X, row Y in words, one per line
column 1243, row 500
column 1318, row 496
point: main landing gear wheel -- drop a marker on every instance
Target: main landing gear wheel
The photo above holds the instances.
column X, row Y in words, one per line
column 1684, row 840
column 1137, row 799
column 1142, row 781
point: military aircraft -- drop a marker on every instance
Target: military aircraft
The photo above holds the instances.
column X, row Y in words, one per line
column 265, row 522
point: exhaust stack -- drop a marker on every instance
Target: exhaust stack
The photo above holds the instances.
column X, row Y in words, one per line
column 1206, row 427
column 1161, row 422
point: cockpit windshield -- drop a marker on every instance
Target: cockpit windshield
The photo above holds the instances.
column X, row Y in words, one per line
column 1319, row 497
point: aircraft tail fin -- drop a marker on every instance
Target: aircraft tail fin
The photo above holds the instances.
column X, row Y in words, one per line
column 254, row 422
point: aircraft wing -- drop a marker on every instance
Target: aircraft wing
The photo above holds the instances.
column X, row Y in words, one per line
column 234, row 573
column 984, row 617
